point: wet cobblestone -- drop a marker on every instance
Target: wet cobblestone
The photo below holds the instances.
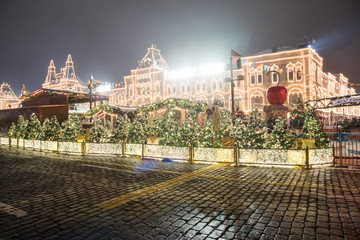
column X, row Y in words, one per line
column 61, row 193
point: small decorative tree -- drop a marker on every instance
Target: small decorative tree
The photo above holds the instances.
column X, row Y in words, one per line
column 190, row 130
column 21, row 127
column 71, row 129
column 33, row 129
column 238, row 132
column 207, row 137
column 170, row 127
column 50, row 130
column 12, row 130
column 313, row 129
column 96, row 131
column 122, row 128
column 139, row 130
column 256, row 131
column 281, row 136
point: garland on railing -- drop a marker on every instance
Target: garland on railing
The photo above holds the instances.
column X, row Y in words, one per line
column 181, row 103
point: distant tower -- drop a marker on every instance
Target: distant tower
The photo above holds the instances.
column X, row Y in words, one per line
column 69, row 68
column 50, row 77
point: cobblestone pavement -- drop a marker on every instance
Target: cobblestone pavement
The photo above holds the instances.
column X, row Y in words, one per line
column 55, row 196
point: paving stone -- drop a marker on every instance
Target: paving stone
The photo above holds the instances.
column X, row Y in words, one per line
column 61, row 194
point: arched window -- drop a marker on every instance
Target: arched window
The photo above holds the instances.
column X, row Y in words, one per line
column 220, row 84
column 274, row 75
column 290, row 69
column 295, row 97
column 299, row 71
column 257, row 102
column 259, row 76
column 252, row 76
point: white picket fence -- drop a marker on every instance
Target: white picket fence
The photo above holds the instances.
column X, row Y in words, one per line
column 274, row 157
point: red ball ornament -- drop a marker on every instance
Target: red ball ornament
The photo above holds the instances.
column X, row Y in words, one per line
column 277, row 95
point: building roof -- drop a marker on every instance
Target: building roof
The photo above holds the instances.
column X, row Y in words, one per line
column 74, row 97
column 154, row 59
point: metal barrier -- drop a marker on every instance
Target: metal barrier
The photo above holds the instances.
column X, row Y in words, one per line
column 346, row 148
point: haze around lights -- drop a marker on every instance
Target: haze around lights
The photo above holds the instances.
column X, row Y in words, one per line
column 206, row 69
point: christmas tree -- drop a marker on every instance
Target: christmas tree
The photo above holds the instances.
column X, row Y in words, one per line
column 108, row 135
column 21, row 127
column 297, row 115
column 12, row 130
column 207, row 136
column 255, row 134
column 50, row 130
column 281, row 136
column 122, row 128
column 169, row 127
column 313, row 129
column 139, row 130
column 96, row 132
column 71, row 128
column 33, row 129
column 225, row 127
column 238, row 132
column 190, row 130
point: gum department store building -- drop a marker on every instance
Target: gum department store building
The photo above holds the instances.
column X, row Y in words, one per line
column 153, row 81
column 303, row 77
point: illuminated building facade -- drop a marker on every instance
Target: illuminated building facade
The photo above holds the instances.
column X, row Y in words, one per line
column 301, row 73
column 66, row 79
column 8, row 99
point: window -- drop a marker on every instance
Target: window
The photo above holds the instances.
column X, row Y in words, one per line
column 259, row 79
column 275, row 77
column 169, row 90
column 204, row 87
column 214, row 85
column 188, row 88
column 291, row 76
column 183, row 89
column 174, row 89
column 198, row 87
column 298, row 75
column 252, row 79
column 220, row 85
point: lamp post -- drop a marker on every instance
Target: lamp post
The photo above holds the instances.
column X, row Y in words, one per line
column 235, row 57
column 91, row 86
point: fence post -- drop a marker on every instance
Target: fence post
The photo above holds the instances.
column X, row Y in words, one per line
column 40, row 148
column 17, row 142
column 142, row 150
column 333, row 147
column 191, row 154
column 23, row 143
column 57, row 146
column 236, row 155
column 307, row 158
column 83, row 148
column 123, row 147
column 9, row 142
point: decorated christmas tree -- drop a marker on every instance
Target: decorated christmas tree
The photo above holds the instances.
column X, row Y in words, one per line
column 33, row 129
column 313, row 129
column 255, row 134
column 21, row 127
column 297, row 115
column 50, row 130
column 71, row 128
column 12, row 130
column 207, row 137
column 122, row 128
column 96, row 132
column 139, row 130
column 170, row 127
column 281, row 136
column 238, row 132
column 108, row 135
column 190, row 130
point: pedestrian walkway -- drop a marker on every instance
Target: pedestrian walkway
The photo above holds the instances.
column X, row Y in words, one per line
column 55, row 196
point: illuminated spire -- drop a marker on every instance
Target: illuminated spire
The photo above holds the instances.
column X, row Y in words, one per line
column 154, row 59
column 50, row 77
column 69, row 68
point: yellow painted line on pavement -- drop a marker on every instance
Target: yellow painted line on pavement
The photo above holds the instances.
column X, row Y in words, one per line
column 158, row 187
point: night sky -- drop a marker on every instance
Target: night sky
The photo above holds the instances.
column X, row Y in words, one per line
column 108, row 38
